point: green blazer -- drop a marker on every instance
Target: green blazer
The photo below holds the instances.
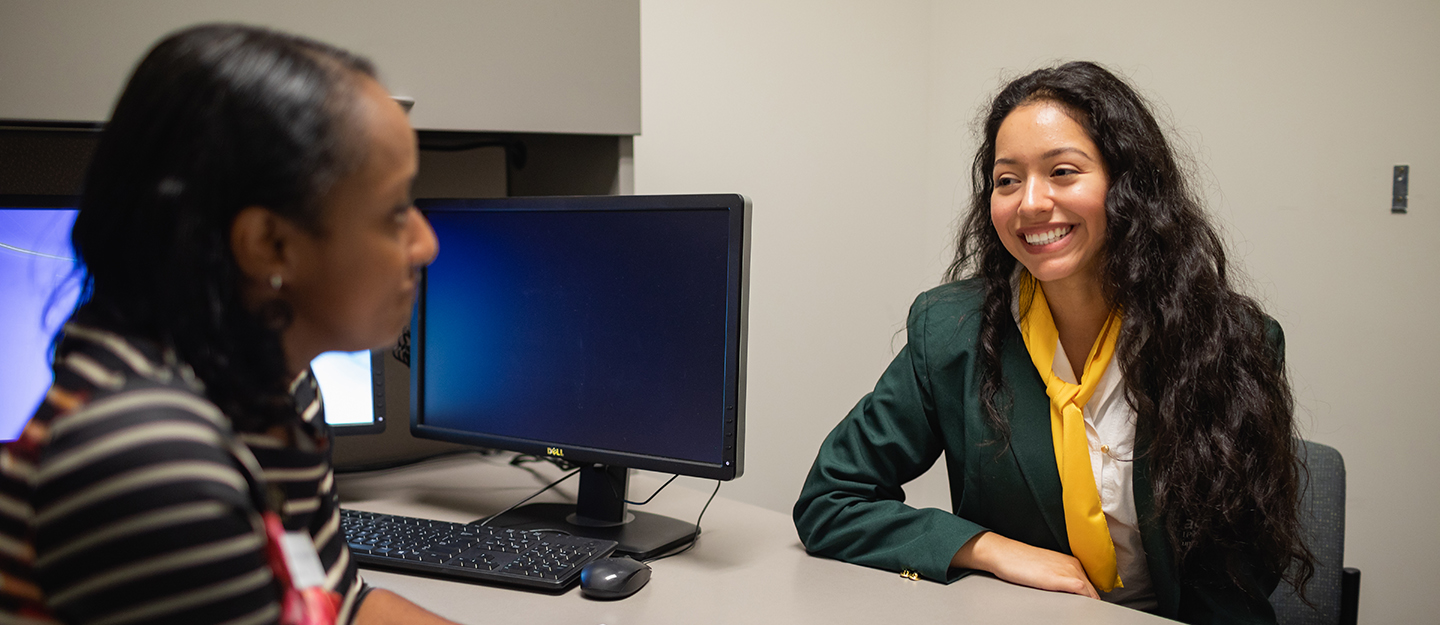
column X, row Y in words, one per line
column 926, row 404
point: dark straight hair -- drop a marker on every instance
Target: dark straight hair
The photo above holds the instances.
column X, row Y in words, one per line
column 214, row 119
column 1203, row 366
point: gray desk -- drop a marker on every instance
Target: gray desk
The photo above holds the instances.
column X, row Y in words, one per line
column 748, row 566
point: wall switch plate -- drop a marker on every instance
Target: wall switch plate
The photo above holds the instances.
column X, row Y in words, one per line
column 1400, row 194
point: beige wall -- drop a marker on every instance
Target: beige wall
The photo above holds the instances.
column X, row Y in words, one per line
column 848, row 124
column 817, row 112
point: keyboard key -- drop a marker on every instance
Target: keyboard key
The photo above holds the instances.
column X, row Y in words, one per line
column 470, row 552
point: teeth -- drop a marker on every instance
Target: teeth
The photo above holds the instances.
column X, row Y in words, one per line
column 1046, row 238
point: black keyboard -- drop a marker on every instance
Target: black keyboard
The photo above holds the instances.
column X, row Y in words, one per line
column 536, row 559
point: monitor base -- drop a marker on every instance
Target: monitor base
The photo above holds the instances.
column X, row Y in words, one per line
column 645, row 536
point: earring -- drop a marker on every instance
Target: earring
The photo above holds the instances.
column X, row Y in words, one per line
column 276, row 282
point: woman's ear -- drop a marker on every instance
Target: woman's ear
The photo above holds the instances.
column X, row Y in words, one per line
column 258, row 239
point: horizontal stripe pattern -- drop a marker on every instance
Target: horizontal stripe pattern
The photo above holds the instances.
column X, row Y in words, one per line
column 255, row 580
column 128, row 500
column 119, row 530
column 172, row 474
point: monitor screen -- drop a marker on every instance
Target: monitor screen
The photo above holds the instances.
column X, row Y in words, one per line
column 352, row 388
column 38, row 291
column 604, row 330
column 35, row 261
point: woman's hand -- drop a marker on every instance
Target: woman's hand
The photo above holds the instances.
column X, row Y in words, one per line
column 1019, row 563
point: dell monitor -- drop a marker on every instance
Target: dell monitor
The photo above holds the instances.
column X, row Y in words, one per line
column 39, row 287
column 608, row 331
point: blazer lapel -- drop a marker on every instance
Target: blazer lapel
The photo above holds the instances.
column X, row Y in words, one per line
column 1030, row 437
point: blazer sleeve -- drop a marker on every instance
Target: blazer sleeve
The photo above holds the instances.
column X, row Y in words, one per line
column 852, row 506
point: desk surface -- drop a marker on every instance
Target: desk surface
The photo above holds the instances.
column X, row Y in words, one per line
column 748, row 566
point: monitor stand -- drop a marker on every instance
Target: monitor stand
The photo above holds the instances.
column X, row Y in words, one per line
column 600, row 513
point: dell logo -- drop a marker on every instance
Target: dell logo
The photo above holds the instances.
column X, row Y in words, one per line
column 555, row 451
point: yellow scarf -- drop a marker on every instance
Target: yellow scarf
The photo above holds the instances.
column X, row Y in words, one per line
column 1084, row 520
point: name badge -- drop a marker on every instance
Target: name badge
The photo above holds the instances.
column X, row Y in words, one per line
column 301, row 560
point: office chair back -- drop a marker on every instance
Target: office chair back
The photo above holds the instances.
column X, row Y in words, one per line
column 1334, row 591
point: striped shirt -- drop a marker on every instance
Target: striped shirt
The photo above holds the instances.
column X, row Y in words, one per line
column 128, row 499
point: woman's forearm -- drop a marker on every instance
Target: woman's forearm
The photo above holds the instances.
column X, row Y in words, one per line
column 1027, row 565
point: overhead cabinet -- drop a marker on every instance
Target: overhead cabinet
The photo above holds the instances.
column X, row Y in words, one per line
column 531, row 66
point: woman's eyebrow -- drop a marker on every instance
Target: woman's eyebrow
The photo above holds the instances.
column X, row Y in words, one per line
column 1050, row 154
column 1067, row 149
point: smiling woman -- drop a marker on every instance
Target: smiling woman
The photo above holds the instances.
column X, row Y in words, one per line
column 1115, row 417
column 1048, row 208
column 1048, row 205
column 246, row 209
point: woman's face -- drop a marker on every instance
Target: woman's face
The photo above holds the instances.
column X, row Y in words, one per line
column 1048, row 205
column 354, row 283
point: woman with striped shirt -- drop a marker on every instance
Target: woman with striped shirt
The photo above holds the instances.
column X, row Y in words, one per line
column 247, row 208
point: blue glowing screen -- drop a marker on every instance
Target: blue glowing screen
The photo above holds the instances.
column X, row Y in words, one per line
column 602, row 329
column 35, row 260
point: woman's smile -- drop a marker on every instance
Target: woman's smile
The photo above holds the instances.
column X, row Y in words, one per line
column 1047, row 237
column 1048, row 206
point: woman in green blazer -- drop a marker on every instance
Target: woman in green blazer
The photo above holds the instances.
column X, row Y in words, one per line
column 1082, row 237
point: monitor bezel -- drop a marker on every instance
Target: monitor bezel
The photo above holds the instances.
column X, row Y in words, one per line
column 42, row 202
column 737, row 264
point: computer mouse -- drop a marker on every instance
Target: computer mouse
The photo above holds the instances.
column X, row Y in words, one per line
column 613, row 578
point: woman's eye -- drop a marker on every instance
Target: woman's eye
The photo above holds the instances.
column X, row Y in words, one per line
column 1065, row 171
column 1006, row 181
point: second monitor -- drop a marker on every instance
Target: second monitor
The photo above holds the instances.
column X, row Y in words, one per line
column 609, row 331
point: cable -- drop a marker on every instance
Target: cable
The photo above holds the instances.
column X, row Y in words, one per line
column 537, row 494
column 561, row 463
column 696, row 537
column 610, row 481
column 652, row 495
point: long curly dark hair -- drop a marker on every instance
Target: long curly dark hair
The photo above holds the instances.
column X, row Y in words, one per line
column 1202, row 364
column 214, row 119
